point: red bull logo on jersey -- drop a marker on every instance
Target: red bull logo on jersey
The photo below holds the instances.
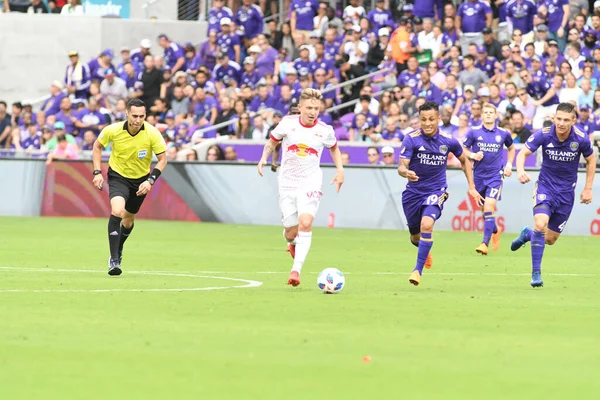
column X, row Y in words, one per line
column 302, row 150
column 470, row 219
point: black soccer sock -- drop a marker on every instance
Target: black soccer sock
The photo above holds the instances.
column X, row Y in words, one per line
column 125, row 232
column 114, row 225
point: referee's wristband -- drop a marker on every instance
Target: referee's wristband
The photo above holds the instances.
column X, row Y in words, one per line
column 97, row 172
column 154, row 176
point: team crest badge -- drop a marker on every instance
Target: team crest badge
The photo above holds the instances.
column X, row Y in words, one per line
column 541, row 197
column 443, row 149
column 142, row 154
column 498, row 138
column 574, row 146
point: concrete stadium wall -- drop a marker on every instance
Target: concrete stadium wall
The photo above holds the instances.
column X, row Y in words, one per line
column 34, row 47
column 162, row 9
column 371, row 197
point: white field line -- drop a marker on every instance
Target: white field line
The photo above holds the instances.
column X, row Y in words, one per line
column 247, row 282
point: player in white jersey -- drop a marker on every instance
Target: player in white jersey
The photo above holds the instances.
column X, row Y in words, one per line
column 303, row 138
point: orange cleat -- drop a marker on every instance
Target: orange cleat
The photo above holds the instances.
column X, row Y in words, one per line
column 415, row 278
column 482, row 249
column 294, row 278
column 429, row 262
column 292, row 249
column 496, row 239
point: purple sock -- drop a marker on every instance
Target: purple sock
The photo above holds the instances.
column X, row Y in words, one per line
column 425, row 245
column 529, row 235
column 488, row 226
column 538, row 242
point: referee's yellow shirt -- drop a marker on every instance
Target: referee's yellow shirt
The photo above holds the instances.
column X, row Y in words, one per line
column 131, row 155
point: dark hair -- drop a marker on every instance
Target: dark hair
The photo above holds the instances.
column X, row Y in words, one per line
column 470, row 57
column 428, row 106
column 568, row 108
column 135, row 103
column 516, row 112
column 3, row 103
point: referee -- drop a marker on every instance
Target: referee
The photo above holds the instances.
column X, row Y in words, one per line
column 133, row 143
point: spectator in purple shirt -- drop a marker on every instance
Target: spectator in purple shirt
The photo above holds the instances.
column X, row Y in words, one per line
column 216, row 14
column 250, row 77
column 137, row 55
column 67, row 116
column 263, row 100
column 208, row 51
column 174, row 56
column 227, row 73
column 77, row 77
column 428, row 9
column 250, row 17
column 559, row 12
column 303, row 14
column 265, row 58
column 521, row 13
column 229, row 42
column 52, row 105
column 380, row 17
column 472, row 16
column 91, row 118
column 99, row 65
column 203, row 106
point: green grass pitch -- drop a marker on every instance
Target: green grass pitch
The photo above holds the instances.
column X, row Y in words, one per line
column 474, row 329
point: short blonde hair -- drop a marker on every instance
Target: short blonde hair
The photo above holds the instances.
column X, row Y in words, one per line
column 311, row 94
column 489, row 105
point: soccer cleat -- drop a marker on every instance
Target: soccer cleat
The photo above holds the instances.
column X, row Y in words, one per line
column 521, row 240
column 114, row 268
column 536, row 280
column 294, row 278
column 415, row 278
column 482, row 249
column 496, row 239
column 292, row 249
column 429, row 261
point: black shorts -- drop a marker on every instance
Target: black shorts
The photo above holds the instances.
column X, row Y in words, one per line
column 127, row 188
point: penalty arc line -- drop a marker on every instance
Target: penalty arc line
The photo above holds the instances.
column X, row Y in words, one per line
column 248, row 282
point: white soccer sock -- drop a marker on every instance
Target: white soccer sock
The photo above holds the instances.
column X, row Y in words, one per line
column 286, row 239
column 303, row 242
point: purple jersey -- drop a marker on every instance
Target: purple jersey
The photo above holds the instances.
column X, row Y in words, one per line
column 451, row 96
column 406, row 78
column 390, row 135
column 473, row 15
column 173, row 53
column 490, row 142
column 587, row 126
column 93, row 118
column 331, row 49
column 521, row 14
column 203, row 109
column 232, row 71
column 330, row 94
column 96, row 71
column 488, row 66
column 52, row 105
column 428, row 158
column 31, row 142
column 424, row 8
column 208, row 56
column 560, row 160
column 303, row 67
column 324, row 63
column 250, row 79
column 251, row 18
column 226, row 43
column 379, row 19
column 258, row 104
column 137, row 59
column 215, row 16
column 432, row 93
column 555, row 13
column 538, row 89
column 265, row 63
column 68, row 120
column 306, row 10
column 449, row 38
column 449, row 129
column 283, row 106
column 326, row 119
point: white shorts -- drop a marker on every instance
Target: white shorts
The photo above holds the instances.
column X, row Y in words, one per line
column 297, row 202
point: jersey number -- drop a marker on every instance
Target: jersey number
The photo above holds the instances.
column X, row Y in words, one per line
column 432, row 200
column 562, row 226
column 493, row 193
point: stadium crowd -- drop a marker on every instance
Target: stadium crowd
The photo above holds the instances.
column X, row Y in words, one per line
column 523, row 56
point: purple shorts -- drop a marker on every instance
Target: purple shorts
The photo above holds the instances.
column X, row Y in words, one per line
column 489, row 187
column 545, row 202
column 414, row 204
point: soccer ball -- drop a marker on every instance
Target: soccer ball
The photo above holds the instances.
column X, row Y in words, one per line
column 331, row 280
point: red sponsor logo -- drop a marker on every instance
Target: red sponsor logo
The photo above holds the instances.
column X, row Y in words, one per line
column 302, row 150
column 595, row 226
column 315, row 194
column 470, row 217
